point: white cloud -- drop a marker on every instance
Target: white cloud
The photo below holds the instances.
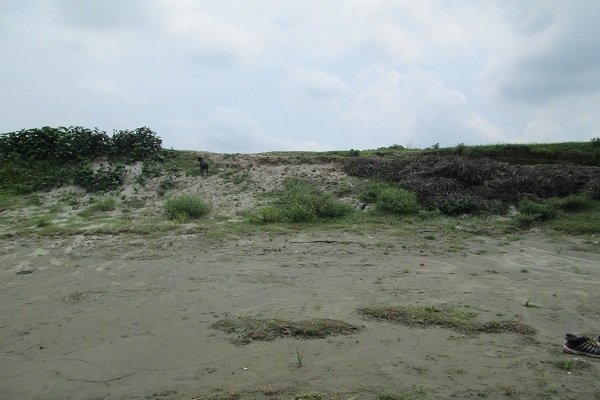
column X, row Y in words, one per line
column 554, row 53
column 310, row 74
column 418, row 109
column 102, row 85
column 311, row 84
column 233, row 131
column 212, row 39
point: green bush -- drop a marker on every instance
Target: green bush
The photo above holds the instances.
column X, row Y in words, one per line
column 300, row 212
column 459, row 205
column 103, row 179
column 573, row 202
column 136, row 145
column 268, row 214
column 150, row 169
column 107, row 204
column 370, row 192
column 300, row 202
column 185, row 207
column 541, row 211
column 58, row 144
column 397, row 201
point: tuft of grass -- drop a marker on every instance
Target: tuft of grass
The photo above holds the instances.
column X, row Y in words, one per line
column 397, row 201
column 300, row 202
column 298, row 357
column 532, row 211
column 107, row 204
column 415, row 394
column 457, row 319
column 268, row 329
column 181, row 208
column 574, row 365
column 43, row 221
column 102, row 205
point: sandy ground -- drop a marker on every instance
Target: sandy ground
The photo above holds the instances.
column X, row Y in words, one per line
column 128, row 317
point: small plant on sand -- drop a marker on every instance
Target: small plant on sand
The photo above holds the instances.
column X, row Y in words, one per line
column 558, row 248
column 185, row 207
column 298, row 357
column 42, row 221
column 528, row 304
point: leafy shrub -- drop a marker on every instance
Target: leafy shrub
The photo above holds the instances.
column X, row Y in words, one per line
column 527, row 219
column 397, row 201
column 326, row 206
column 136, row 145
column 460, row 149
column 103, row 179
column 168, row 182
column 150, row 169
column 371, row 191
column 540, row 211
column 59, row 144
column 184, row 207
column 596, row 142
column 106, row 204
column 22, row 176
column 268, row 214
column 353, row 153
column 300, row 211
column 456, row 205
column 573, row 202
column 300, row 202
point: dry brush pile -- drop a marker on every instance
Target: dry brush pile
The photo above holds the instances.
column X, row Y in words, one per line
column 456, row 184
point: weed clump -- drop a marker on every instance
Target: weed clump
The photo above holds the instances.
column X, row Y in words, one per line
column 269, row 329
column 397, row 201
column 300, row 202
column 390, row 199
column 184, row 207
column 448, row 317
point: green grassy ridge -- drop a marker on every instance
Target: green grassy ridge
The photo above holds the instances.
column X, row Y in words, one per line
column 579, row 153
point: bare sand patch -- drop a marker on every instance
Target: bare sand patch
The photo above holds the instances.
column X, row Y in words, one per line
column 130, row 317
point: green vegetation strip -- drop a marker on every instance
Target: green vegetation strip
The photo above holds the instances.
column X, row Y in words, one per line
column 447, row 317
column 249, row 329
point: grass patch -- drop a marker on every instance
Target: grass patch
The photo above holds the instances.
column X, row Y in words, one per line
column 43, row 220
column 458, row 319
column 301, row 202
column 574, row 365
column 99, row 206
column 184, row 207
column 416, row 394
column 249, row 329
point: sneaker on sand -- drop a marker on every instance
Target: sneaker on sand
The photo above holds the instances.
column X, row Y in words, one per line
column 581, row 345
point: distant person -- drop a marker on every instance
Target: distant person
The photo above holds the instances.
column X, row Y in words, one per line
column 203, row 166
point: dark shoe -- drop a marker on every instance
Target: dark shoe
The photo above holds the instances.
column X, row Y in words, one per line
column 581, row 345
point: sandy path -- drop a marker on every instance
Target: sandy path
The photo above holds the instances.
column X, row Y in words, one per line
column 123, row 317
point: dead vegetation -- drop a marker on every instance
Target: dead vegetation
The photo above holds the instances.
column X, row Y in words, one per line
column 482, row 184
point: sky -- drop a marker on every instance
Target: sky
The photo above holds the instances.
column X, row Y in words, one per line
column 248, row 76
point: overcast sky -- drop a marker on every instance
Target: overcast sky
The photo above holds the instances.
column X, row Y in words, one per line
column 262, row 75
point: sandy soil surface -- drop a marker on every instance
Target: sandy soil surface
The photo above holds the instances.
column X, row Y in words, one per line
column 129, row 317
